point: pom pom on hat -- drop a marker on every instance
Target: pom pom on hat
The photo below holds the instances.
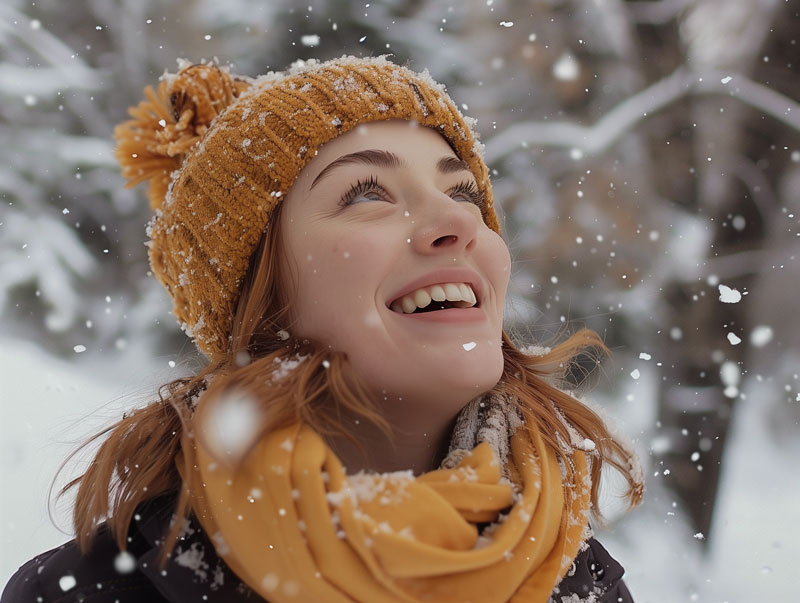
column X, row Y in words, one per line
column 170, row 122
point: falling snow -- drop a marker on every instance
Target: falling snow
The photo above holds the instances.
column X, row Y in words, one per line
column 124, row 562
column 728, row 295
column 761, row 336
column 566, row 68
column 231, row 422
column 638, row 209
column 67, row 582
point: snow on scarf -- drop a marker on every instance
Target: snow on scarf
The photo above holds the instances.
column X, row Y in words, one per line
column 500, row 522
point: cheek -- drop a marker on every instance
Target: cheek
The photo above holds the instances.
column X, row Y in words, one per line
column 337, row 285
column 353, row 256
column 348, row 263
column 498, row 265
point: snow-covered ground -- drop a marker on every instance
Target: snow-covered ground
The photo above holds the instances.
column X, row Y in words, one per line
column 755, row 540
column 48, row 405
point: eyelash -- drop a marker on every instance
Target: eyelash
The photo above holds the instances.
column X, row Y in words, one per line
column 467, row 188
column 470, row 189
column 361, row 187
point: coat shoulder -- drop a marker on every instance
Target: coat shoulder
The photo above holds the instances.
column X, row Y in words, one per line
column 595, row 577
column 64, row 575
column 191, row 572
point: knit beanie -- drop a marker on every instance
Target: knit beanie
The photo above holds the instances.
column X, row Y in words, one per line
column 220, row 151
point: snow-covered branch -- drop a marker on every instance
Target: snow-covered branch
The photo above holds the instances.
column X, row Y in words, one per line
column 656, row 13
column 742, row 263
column 67, row 69
column 627, row 114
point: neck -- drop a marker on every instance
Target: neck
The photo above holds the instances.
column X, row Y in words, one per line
column 416, row 445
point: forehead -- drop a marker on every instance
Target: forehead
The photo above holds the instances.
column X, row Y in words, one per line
column 406, row 138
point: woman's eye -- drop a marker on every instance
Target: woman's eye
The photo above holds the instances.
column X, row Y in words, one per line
column 365, row 190
column 467, row 191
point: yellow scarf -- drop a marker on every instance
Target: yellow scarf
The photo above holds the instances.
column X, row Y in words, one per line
column 295, row 527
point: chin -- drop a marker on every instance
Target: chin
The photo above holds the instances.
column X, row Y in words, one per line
column 483, row 371
column 452, row 380
column 469, row 380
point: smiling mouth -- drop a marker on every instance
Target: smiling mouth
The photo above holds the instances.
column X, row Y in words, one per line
column 436, row 297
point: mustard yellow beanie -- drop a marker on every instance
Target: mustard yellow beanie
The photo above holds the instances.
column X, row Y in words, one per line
column 220, row 151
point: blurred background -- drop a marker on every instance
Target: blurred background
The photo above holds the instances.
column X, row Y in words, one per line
column 646, row 162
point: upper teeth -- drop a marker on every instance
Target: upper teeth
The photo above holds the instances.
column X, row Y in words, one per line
column 421, row 298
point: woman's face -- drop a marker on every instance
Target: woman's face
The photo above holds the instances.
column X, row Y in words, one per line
column 383, row 220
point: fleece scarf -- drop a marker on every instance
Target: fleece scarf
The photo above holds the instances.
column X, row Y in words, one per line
column 500, row 520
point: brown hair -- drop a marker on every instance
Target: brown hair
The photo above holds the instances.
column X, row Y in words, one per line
column 139, row 459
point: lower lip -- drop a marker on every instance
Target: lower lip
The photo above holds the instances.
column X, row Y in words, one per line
column 449, row 315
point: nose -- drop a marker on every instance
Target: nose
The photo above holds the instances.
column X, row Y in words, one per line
column 444, row 226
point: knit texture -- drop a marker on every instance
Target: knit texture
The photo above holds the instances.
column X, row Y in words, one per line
column 294, row 526
column 221, row 151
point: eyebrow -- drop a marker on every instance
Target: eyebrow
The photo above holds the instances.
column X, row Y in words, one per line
column 450, row 164
column 387, row 159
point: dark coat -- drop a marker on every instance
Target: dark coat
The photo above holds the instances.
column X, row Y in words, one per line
column 194, row 572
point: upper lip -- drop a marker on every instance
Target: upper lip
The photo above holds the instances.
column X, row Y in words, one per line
column 441, row 276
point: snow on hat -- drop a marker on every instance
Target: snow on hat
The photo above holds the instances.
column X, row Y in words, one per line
column 220, row 151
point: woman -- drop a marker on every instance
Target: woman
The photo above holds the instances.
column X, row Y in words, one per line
column 364, row 429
